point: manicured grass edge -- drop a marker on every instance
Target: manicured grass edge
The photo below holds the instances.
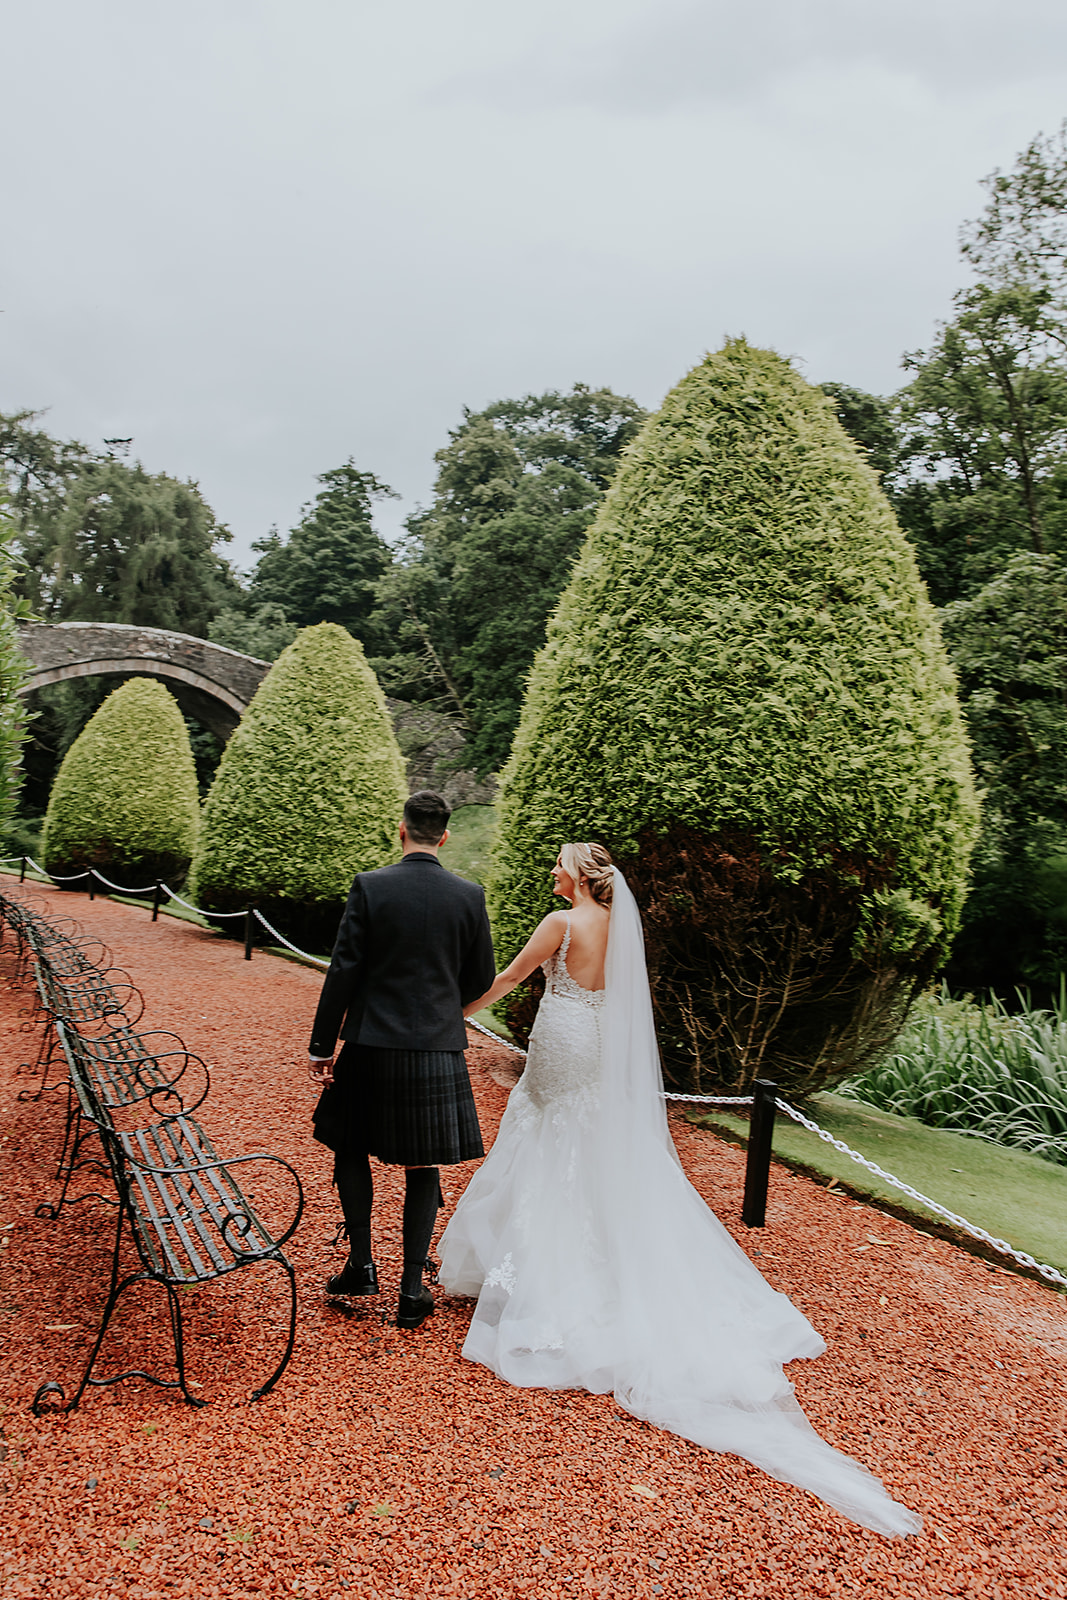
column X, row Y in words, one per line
column 824, row 1165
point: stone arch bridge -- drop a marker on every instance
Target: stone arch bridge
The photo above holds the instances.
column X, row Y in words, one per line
column 210, row 682
column 215, row 685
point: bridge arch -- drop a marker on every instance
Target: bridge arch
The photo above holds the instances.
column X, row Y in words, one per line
column 210, row 682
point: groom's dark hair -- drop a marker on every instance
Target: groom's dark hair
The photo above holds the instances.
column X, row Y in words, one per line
column 426, row 816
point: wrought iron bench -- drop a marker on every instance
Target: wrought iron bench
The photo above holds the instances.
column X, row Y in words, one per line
column 122, row 1069
column 188, row 1218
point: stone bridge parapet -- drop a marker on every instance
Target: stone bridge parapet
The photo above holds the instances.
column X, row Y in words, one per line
column 213, row 684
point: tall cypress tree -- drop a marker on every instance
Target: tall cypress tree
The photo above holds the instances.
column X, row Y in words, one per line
column 125, row 798
column 745, row 696
column 309, row 790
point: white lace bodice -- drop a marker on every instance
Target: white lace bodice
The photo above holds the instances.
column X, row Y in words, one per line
column 563, row 1063
column 559, row 981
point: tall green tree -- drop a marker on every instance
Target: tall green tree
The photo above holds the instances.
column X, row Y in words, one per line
column 308, row 793
column 1021, row 237
column 328, row 568
column 518, row 485
column 1008, row 644
column 745, row 696
column 982, row 471
column 104, row 541
column 125, row 799
column 12, row 673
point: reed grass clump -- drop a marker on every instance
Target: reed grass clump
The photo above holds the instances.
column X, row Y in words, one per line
column 980, row 1070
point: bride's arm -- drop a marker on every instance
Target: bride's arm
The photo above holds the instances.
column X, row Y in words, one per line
column 545, row 939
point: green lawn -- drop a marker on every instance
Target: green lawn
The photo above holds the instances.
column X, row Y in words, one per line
column 467, row 850
column 1014, row 1196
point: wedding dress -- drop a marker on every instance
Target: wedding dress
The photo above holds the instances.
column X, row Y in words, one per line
column 597, row 1265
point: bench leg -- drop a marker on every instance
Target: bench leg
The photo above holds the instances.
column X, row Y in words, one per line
column 50, row 1397
column 265, row 1388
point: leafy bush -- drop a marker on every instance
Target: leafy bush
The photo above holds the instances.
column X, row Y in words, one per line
column 745, row 696
column 980, row 1070
column 125, row 798
column 309, row 790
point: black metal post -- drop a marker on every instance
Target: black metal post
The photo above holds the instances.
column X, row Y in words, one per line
column 92, row 883
column 760, row 1142
column 22, row 871
column 250, row 923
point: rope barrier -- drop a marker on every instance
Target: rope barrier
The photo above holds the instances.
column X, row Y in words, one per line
column 713, row 1099
column 55, row 876
column 319, row 962
column 498, row 1037
column 198, row 909
column 970, row 1228
column 148, row 888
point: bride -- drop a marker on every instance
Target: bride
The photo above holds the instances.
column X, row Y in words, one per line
column 596, row 1264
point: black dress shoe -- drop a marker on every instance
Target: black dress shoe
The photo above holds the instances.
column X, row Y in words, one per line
column 354, row 1280
column 414, row 1308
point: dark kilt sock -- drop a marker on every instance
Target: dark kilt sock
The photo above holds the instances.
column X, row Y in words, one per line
column 422, row 1197
column 355, row 1190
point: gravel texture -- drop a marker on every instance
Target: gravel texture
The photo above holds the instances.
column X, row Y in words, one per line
column 386, row 1465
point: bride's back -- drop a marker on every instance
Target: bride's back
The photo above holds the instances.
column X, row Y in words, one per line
column 588, row 944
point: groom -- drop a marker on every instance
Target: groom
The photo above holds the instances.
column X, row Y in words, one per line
column 412, row 950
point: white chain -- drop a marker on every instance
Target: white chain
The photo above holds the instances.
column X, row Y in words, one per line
column 964, row 1226
column 118, row 886
column 199, row 909
column 497, row 1037
column 318, row 961
column 713, row 1099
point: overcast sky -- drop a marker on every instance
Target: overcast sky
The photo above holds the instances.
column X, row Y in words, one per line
column 264, row 235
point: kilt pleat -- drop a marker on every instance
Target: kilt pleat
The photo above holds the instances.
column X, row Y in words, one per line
column 408, row 1107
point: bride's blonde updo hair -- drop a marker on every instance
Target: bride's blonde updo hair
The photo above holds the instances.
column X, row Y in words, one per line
column 592, row 863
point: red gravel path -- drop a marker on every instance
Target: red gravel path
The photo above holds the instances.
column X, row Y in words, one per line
column 385, row 1465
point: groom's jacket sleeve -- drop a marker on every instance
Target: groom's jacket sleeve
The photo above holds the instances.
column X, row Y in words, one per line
column 342, row 978
column 479, row 968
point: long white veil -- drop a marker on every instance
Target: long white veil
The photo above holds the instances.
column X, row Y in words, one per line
column 702, row 1335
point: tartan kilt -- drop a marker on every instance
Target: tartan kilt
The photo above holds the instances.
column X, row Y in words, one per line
column 413, row 1108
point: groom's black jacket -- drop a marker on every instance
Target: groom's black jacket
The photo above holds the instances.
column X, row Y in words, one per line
column 412, row 950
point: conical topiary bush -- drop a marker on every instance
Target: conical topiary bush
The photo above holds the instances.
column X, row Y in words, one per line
column 309, row 791
column 744, row 695
column 125, row 799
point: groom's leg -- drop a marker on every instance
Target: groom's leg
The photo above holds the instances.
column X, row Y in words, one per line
column 421, row 1199
column 355, row 1190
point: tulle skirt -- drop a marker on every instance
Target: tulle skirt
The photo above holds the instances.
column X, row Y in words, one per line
column 625, row 1282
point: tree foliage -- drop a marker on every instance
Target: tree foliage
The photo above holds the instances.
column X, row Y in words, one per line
column 518, row 485
column 328, row 568
column 12, row 673
column 125, row 798
column 1021, row 237
column 1009, row 646
column 745, row 696
column 262, row 631
column 104, row 541
column 309, row 790
column 982, row 471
